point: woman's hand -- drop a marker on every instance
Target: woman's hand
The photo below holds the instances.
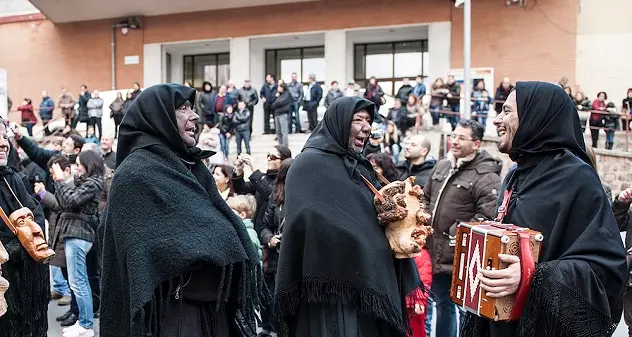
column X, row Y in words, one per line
column 274, row 241
column 501, row 283
column 38, row 188
column 58, row 173
column 626, row 195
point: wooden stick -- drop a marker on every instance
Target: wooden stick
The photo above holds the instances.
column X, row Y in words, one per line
column 4, row 217
column 373, row 189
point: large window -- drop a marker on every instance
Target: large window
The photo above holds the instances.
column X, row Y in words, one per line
column 302, row 61
column 390, row 63
column 214, row 68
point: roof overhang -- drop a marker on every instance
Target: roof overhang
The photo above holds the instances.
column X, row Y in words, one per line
column 61, row 11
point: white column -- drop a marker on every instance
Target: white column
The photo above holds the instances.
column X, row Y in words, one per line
column 336, row 57
column 439, row 37
column 239, row 59
column 152, row 64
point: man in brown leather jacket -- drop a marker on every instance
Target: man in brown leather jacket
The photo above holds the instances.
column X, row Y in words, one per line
column 462, row 187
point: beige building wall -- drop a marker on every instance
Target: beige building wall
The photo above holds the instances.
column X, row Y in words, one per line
column 604, row 48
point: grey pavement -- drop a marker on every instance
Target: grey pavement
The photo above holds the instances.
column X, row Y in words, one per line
column 54, row 329
column 54, row 311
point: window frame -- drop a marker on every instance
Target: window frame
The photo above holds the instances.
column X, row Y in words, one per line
column 364, row 81
column 302, row 57
column 192, row 69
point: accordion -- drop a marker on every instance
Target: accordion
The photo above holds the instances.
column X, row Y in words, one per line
column 477, row 247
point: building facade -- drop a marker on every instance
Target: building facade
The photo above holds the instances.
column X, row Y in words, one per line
column 70, row 43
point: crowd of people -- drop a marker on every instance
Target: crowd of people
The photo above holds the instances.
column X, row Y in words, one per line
column 162, row 238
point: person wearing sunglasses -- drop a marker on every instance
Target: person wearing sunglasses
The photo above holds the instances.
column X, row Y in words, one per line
column 259, row 184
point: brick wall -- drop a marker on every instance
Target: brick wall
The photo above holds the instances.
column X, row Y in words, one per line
column 531, row 43
column 614, row 167
column 520, row 43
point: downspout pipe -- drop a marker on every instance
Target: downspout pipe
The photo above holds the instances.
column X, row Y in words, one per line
column 113, row 57
column 113, row 47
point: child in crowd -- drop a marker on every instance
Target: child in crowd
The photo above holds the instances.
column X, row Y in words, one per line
column 244, row 206
column 91, row 137
column 417, row 303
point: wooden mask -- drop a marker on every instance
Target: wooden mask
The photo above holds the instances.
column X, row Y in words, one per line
column 23, row 225
column 405, row 218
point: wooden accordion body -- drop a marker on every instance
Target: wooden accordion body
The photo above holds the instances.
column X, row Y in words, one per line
column 477, row 246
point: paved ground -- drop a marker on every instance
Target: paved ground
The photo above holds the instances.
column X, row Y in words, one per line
column 55, row 330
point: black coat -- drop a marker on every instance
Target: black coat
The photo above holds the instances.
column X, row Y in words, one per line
column 241, row 120
column 261, row 186
column 421, row 172
column 271, row 226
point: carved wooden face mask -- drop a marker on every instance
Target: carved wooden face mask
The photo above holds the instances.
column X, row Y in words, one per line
column 4, row 284
column 406, row 219
column 23, row 225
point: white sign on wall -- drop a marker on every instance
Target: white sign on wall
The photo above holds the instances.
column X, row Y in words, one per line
column 133, row 59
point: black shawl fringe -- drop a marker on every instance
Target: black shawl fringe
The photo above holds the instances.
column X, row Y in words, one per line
column 553, row 309
column 325, row 290
column 28, row 295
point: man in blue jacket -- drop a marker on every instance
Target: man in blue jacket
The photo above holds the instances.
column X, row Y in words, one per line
column 46, row 110
column 312, row 99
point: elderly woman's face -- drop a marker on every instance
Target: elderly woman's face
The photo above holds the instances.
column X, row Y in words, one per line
column 507, row 123
column 187, row 119
column 360, row 130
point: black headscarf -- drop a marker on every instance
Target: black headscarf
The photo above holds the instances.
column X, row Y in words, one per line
column 548, row 123
column 154, row 123
column 333, row 248
column 165, row 218
column 578, row 284
column 332, row 133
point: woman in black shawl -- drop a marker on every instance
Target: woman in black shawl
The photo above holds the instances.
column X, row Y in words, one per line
column 577, row 286
column 29, row 289
column 177, row 261
column 336, row 273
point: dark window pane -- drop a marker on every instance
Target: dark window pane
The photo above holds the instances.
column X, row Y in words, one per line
column 168, row 66
column 379, row 48
column 358, row 63
column 188, row 69
column 223, row 58
column 408, row 47
column 314, row 53
column 270, row 62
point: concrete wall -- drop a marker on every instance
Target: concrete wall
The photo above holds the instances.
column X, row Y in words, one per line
column 604, row 30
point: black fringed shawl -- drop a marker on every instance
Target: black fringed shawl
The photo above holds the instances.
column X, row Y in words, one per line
column 164, row 219
column 29, row 288
column 578, row 284
column 333, row 249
